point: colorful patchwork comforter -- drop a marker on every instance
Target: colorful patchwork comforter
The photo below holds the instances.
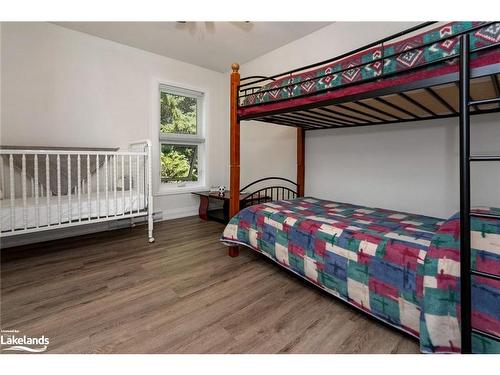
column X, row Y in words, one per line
column 401, row 268
column 399, row 57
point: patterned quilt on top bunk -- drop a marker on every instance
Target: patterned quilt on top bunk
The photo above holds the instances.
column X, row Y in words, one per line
column 401, row 268
column 364, row 65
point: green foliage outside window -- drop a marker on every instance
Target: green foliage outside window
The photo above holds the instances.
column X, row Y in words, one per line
column 178, row 116
column 179, row 163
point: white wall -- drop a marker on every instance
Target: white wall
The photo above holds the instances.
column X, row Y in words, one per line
column 61, row 87
column 65, row 88
column 410, row 167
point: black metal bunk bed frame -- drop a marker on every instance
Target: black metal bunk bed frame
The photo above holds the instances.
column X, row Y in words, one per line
column 304, row 117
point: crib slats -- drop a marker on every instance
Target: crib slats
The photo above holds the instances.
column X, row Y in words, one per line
column 70, row 214
column 37, row 209
column 137, row 184
column 89, row 206
column 130, row 184
column 79, row 186
column 58, row 188
column 2, row 191
column 12, row 192
column 29, row 192
column 24, row 191
column 2, row 174
column 106, row 189
column 98, row 203
column 2, row 183
column 47, row 185
column 123, row 186
column 114, row 186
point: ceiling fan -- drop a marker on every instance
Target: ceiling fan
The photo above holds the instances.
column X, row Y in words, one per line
column 209, row 26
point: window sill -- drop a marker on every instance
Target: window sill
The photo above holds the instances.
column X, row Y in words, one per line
column 180, row 190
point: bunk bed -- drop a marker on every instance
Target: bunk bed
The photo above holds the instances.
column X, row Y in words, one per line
column 437, row 280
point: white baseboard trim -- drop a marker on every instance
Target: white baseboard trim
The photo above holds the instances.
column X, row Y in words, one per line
column 177, row 213
column 79, row 230
column 59, row 233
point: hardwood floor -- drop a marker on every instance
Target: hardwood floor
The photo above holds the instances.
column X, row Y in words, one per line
column 115, row 293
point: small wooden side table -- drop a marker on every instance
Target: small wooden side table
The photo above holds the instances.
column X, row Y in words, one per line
column 220, row 215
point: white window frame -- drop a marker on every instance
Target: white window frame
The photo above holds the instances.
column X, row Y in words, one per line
column 197, row 139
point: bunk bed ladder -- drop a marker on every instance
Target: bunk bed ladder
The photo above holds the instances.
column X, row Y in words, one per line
column 466, row 271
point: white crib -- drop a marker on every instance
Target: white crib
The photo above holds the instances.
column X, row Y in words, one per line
column 57, row 188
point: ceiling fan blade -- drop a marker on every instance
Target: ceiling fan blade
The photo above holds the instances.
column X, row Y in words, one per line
column 210, row 27
column 245, row 25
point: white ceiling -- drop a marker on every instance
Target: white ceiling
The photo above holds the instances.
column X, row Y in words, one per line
column 213, row 45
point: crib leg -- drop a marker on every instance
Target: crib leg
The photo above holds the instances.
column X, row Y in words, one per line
column 150, row 193
column 151, row 239
column 234, row 251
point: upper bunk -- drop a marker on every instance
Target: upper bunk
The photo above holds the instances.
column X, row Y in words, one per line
column 410, row 76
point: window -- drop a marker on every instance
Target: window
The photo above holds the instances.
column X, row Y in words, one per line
column 181, row 137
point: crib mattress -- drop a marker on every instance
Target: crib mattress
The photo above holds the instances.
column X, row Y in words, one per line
column 26, row 216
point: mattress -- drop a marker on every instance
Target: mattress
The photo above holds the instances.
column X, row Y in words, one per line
column 315, row 86
column 398, row 267
column 69, row 210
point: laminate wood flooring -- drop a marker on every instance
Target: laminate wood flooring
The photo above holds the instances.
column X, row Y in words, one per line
column 113, row 292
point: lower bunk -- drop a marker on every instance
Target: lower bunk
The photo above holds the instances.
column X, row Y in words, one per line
column 401, row 268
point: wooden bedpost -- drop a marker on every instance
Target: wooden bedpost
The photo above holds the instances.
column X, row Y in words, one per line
column 300, row 161
column 234, row 149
